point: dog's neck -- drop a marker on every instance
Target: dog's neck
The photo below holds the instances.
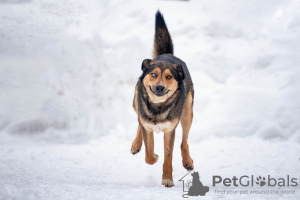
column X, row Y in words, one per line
column 158, row 108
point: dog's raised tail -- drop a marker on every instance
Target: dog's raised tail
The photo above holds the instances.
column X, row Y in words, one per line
column 162, row 40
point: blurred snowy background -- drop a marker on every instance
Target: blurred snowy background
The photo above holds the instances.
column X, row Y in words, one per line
column 67, row 76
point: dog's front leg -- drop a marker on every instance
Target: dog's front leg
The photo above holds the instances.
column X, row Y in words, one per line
column 138, row 141
column 151, row 157
column 167, row 178
column 186, row 122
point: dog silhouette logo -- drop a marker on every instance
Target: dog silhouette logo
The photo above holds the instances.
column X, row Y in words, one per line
column 194, row 186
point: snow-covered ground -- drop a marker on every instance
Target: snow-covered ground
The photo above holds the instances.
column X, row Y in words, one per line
column 67, row 76
column 104, row 168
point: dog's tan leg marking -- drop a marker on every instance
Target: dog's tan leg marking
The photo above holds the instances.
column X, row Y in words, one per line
column 135, row 102
column 138, row 141
column 167, row 178
column 186, row 122
column 151, row 157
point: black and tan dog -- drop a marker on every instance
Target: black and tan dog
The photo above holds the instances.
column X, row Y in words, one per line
column 163, row 96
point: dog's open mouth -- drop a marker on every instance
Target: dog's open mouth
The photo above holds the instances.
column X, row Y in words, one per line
column 159, row 94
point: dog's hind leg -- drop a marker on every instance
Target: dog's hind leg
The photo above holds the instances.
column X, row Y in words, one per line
column 186, row 122
column 138, row 141
column 167, row 177
column 151, row 157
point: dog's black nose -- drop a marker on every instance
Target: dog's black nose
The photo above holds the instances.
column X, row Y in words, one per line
column 159, row 88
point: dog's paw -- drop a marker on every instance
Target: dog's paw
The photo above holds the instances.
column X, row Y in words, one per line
column 136, row 147
column 188, row 164
column 152, row 160
column 167, row 183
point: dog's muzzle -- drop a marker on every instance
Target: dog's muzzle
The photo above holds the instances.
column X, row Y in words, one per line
column 159, row 90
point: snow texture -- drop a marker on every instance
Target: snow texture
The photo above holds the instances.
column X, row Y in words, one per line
column 67, row 75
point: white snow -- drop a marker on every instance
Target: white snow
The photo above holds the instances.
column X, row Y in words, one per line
column 67, row 77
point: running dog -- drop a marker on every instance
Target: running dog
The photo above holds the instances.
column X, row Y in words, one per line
column 163, row 96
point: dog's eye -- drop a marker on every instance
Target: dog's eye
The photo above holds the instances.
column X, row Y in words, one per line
column 169, row 77
column 154, row 75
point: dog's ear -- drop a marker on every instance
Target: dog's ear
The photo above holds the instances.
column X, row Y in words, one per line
column 180, row 71
column 146, row 63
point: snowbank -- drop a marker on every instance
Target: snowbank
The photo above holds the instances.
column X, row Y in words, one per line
column 69, row 70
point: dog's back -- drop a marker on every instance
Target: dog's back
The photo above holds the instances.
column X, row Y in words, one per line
column 164, row 50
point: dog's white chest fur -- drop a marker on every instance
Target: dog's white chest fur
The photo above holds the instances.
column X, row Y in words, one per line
column 159, row 126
